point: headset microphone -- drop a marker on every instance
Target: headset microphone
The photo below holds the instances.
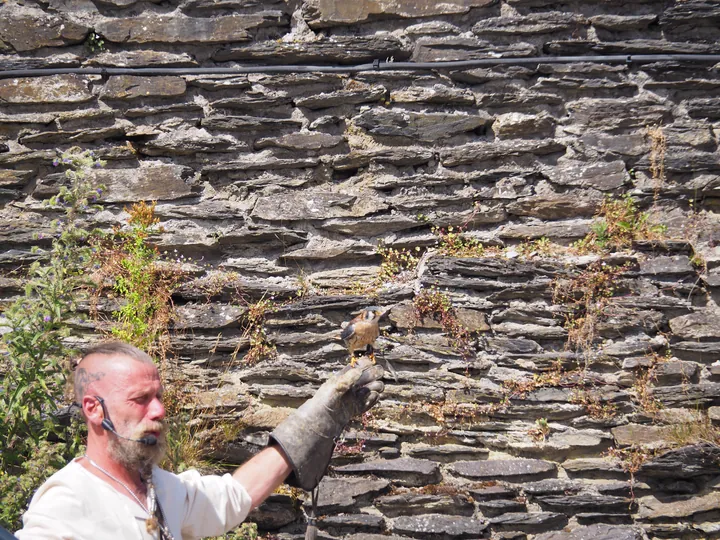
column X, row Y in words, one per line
column 149, row 440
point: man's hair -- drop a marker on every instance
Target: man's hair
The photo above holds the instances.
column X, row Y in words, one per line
column 112, row 348
column 82, row 379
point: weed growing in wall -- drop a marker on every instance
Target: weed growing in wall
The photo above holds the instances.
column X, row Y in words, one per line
column 261, row 347
column 397, row 264
column 541, row 431
column 619, row 223
column 34, row 363
column 587, row 296
column 658, row 148
column 452, row 242
column 130, row 267
column 94, row 43
column 435, row 305
column 642, row 389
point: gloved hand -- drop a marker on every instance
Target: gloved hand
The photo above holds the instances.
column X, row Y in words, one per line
column 308, row 435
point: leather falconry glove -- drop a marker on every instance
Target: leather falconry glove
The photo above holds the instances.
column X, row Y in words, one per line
column 308, row 435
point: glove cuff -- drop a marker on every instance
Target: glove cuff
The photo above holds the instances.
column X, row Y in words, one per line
column 308, row 451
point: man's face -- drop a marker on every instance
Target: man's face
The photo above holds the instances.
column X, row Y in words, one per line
column 134, row 402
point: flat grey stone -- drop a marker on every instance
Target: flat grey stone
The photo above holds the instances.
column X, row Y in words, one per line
column 401, row 156
column 552, row 486
column 697, row 13
column 641, row 435
column 452, row 48
column 685, row 462
column 596, row 532
column 350, row 523
column 536, row 23
column 593, row 468
column 438, row 93
column 211, row 316
column 558, row 230
column 249, row 123
column 335, row 49
column 323, row 14
column 404, row 471
column 146, row 58
column 492, row 493
column 599, row 175
column 347, row 96
column 702, row 324
column 532, row 522
column 615, row 113
column 499, row 506
column 557, row 206
column 180, row 29
column 475, row 152
column 510, row 125
column 440, row 526
column 275, row 512
column 188, row 141
column 688, row 395
column 622, row 22
column 50, row 89
column 670, row 265
column 370, row 225
column 151, row 182
column 653, row 509
column 507, row 469
column 583, row 502
column 302, row 141
column 133, row 87
column 444, row 453
column 676, row 372
column 422, row 126
column 26, row 28
column 412, row 504
column 314, row 205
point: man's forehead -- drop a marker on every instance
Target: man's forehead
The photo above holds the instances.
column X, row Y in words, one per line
column 119, row 366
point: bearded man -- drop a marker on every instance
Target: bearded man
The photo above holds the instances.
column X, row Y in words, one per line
column 117, row 491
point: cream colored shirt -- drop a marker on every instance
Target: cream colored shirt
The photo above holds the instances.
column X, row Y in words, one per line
column 76, row 505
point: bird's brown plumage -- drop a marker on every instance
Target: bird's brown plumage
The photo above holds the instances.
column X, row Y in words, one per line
column 362, row 331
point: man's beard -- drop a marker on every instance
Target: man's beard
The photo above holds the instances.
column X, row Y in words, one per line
column 136, row 455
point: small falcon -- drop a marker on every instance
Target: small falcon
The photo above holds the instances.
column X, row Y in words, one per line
column 362, row 331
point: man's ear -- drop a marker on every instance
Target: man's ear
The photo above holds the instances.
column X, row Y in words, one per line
column 92, row 410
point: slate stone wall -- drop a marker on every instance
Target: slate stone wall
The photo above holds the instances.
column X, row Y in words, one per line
column 279, row 183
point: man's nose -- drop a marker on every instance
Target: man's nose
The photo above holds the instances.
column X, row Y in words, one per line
column 156, row 410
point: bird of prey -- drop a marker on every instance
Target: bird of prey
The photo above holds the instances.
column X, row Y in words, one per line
column 361, row 332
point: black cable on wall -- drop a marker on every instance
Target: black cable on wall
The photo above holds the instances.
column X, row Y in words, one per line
column 375, row 66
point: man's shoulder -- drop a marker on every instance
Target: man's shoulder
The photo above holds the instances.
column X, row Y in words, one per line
column 189, row 476
column 69, row 479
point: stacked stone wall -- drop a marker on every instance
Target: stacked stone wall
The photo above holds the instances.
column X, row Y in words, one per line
column 282, row 185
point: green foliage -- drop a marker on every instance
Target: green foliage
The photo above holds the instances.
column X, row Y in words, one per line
column 435, row 305
column 619, row 223
column 130, row 266
column 34, row 363
column 17, row 489
column 261, row 347
column 397, row 263
column 95, row 43
column 587, row 296
column 452, row 242
column 542, row 247
column 246, row 531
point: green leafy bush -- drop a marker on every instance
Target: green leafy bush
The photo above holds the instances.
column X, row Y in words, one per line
column 34, row 365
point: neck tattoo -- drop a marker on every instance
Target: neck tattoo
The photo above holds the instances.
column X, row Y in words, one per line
column 152, row 524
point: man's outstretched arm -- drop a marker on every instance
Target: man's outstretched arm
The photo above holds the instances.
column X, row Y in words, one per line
column 262, row 474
